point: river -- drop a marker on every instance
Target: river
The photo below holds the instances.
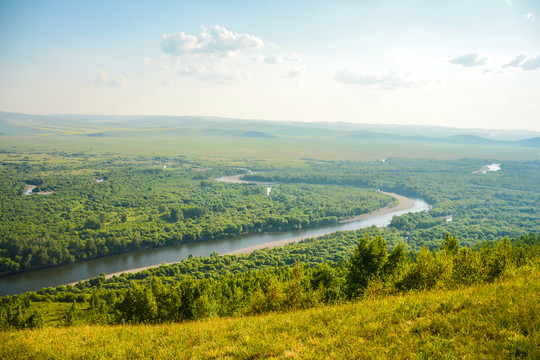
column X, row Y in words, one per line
column 71, row 273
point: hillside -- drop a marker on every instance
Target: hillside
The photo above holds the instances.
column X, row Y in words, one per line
column 500, row 320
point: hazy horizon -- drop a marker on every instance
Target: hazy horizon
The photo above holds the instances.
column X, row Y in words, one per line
column 153, row 120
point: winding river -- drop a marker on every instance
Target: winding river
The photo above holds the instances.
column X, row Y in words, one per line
column 134, row 261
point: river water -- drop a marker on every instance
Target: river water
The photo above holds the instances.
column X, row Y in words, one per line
column 35, row 280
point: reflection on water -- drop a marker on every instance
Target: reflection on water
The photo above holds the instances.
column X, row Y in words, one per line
column 35, row 280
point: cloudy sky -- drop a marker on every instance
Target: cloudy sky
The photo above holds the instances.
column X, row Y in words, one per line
column 464, row 63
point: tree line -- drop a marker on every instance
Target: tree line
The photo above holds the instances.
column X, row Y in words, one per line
column 371, row 270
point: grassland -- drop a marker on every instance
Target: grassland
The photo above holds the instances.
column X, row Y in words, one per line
column 241, row 151
column 229, row 139
column 495, row 321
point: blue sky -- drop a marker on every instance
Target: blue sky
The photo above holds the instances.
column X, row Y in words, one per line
column 464, row 63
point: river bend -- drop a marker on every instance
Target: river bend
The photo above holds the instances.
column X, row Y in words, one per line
column 138, row 260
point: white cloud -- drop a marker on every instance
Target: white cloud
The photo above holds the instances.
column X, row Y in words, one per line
column 216, row 41
column 468, row 60
column 525, row 62
column 516, row 61
column 273, row 59
column 388, row 80
column 528, row 16
column 215, row 73
column 103, row 78
column 531, row 63
column 509, row 2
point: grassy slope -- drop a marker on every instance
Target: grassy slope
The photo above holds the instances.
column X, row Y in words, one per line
column 499, row 320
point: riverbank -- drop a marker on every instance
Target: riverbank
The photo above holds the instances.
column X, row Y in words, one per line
column 237, row 179
column 404, row 204
column 131, row 271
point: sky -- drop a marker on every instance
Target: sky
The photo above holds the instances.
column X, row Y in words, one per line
column 460, row 63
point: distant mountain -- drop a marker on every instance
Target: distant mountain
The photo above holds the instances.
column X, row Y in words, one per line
column 476, row 140
column 204, row 126
column 454, row 139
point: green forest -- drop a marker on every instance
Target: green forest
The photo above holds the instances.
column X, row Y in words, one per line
column 482, row 206
column 106, row 207
column 86, row 206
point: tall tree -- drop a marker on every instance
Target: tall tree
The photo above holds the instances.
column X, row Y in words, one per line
column 367, row 262
column 450, row 244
